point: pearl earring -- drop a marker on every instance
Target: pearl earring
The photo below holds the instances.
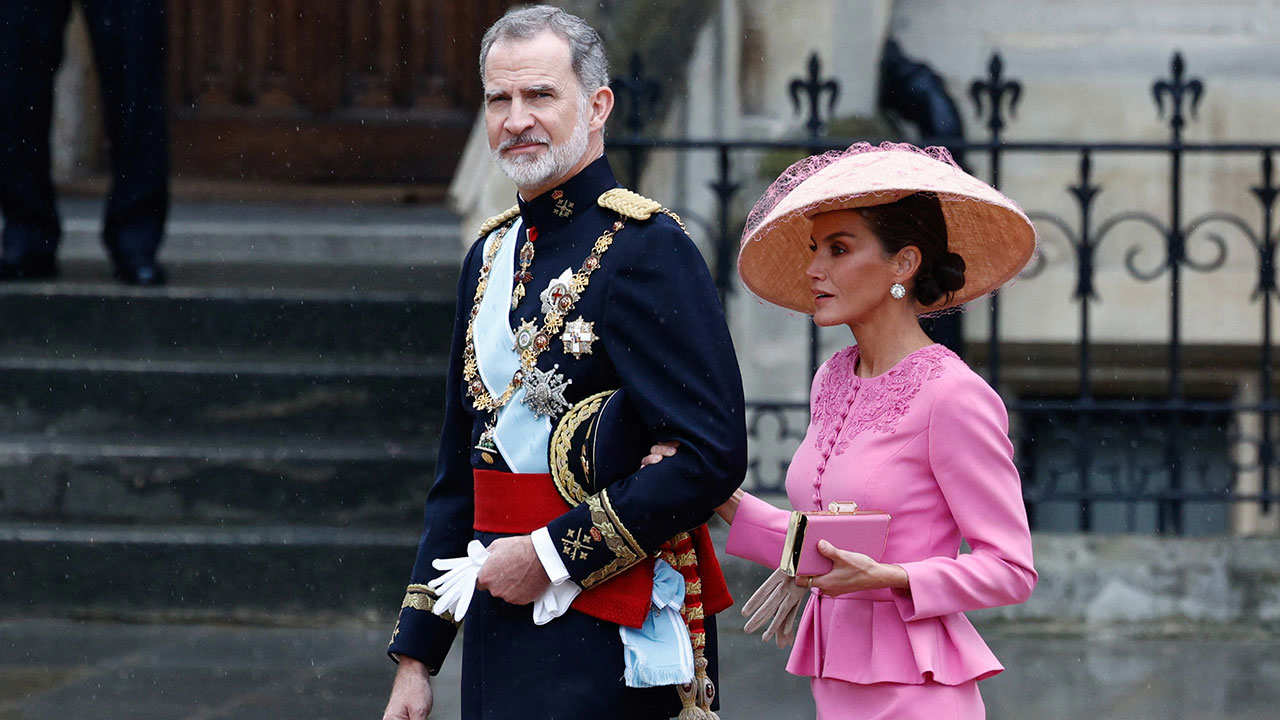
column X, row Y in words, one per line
column 897, row 291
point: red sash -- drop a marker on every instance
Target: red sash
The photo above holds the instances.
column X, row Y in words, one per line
column 522, row 503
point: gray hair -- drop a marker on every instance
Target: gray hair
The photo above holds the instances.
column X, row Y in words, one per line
column 586, row 49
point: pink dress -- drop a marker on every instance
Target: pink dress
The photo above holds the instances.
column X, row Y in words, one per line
column 928, row 443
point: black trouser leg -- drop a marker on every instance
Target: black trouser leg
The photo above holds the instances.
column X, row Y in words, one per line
column 129, row 38
column 31, row 40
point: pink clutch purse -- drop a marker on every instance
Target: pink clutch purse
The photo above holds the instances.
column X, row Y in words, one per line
column 842, row 525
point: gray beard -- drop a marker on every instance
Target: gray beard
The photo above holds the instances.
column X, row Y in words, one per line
column 555, row 161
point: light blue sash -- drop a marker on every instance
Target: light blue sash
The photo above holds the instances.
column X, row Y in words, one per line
column 521, row 437
column 660, row 651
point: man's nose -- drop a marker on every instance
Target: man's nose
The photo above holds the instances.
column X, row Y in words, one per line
column 519, row 119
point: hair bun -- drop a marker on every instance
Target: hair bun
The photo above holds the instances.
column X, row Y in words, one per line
column 949, row 273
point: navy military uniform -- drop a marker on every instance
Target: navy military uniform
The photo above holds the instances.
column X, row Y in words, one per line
column 657, row 330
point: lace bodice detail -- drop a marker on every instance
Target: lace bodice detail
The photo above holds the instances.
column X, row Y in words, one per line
column 846, row 405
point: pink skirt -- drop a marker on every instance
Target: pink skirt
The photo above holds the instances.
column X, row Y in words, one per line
column 839, row 700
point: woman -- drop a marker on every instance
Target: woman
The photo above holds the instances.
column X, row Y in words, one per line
column 871, row 238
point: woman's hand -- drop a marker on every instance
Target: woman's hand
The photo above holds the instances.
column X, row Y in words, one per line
column 668, row 449
column 730, row 506
column 853, row 571
column 659, row 451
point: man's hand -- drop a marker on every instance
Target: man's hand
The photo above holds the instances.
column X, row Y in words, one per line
column 411, row 693
column 513, row 571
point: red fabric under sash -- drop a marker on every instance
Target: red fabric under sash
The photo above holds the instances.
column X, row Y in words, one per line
column 522, row 503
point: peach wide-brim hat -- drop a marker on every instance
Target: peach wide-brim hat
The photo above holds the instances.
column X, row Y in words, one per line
column 985, row 227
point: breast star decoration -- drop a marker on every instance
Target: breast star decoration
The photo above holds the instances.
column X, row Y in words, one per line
column 544, row 391
column 578, row 337
column 559, row 295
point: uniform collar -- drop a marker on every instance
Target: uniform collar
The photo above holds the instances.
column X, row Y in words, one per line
column 558, row 206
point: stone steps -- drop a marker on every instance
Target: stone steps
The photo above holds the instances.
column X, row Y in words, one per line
column 260, row 433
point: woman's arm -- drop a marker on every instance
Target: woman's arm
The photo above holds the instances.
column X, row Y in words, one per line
column 972, row 461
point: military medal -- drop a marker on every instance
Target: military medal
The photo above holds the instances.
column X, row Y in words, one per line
column 524, row 335
column 548, row 395
column 559, row 295
column 523, row 275
column 577, row 338
column 544, row 392
column 486, row 442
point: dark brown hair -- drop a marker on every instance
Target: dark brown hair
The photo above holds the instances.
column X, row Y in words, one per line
column 917, row 220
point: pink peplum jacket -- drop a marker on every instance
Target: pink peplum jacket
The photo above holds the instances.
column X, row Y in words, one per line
column 928, row 443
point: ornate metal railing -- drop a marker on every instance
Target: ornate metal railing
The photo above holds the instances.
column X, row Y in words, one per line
column 1161, row 461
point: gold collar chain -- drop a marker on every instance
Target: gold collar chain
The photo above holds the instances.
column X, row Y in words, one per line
column 554, row 319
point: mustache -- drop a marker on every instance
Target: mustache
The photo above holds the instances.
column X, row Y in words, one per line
column 525, row 139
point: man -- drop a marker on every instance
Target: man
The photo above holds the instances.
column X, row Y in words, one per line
column 129, row 49
column 583, row 287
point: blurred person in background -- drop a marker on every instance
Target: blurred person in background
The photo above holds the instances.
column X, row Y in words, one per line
column 128, row 39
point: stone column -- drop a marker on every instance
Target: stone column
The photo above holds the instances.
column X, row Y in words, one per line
column 76, row 136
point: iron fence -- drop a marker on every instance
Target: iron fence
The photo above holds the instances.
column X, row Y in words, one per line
column 1090, row 460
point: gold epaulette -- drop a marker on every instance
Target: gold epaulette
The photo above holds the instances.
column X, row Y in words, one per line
column 498, row 220
column 629, row 204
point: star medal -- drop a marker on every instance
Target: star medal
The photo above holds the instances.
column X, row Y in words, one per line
column 544, row 392
column 523, row 275
column 559, row 296
column 524, row 335
column 577, row 338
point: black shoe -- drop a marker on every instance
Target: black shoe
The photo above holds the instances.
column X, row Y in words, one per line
column 146, row 275
column 31, row 267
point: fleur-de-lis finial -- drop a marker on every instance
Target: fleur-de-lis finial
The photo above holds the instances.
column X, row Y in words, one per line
column 995, row 87
column 814, row 86
column 642, row 93
column 1177, row 88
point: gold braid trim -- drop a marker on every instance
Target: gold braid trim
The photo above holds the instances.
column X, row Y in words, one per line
column 561, row 444
column 671, row 214
column 617, row 538
column 498, row 220
column 628, row 203
column 421, row 597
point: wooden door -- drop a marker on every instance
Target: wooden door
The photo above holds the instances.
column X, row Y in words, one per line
column 363, row 91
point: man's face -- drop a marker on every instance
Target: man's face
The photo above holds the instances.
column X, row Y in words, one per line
column 535, row 114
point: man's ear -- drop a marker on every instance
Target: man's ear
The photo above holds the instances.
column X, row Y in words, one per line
column 601, row 107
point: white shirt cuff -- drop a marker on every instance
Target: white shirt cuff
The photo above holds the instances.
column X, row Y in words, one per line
column 547, row 554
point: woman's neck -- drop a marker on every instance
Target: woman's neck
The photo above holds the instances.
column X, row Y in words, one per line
column 885, row 340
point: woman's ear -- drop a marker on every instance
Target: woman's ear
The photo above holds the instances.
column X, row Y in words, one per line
column 906, row 262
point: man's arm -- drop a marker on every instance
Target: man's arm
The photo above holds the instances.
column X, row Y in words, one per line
column 449, row 510
column 665, row 332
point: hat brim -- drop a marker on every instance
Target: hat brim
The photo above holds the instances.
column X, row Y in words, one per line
column 986, row 228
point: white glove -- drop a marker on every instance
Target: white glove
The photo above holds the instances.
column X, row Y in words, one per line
column 458, row 584
column 777, row 602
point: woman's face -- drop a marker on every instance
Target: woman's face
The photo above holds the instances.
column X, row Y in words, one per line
column 850, row 274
